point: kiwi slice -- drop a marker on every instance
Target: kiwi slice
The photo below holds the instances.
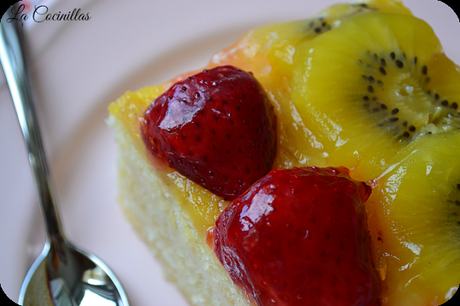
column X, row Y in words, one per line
column 414, row 218
column 275, row 44
column 283, row 39
column 373, row 85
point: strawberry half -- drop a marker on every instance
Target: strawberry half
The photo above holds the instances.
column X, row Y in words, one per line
column 216, row 127
column 299, row 237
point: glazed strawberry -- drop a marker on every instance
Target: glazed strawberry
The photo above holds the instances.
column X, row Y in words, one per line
column 299, row 237
column 216, row 127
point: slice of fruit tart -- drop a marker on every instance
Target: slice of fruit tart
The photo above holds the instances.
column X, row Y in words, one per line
column 313, row 162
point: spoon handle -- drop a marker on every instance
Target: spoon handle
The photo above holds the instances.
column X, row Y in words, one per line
column 13, row 60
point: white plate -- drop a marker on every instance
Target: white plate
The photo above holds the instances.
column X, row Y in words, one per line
column 79, row 68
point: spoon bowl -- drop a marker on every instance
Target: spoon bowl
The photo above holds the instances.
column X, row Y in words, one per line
column 82, row 280
column 62, row 274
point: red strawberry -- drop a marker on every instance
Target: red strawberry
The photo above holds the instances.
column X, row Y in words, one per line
column 299, row 237
column 216, row 127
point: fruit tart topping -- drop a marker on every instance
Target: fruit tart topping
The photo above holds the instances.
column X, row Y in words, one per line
column 391, row 81
column 299, row 237
column 216, row 127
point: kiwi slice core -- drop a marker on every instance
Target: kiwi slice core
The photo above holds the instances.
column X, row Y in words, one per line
column 400, row 97
column 381, row 73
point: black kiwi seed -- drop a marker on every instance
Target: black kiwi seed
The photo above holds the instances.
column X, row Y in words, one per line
column 319, row 25
column 393, row 55
column 383, row 106
column 399, row 63
column 383, row 71
column 383, row 62
column 394, row 111
column 370, row 88
column 454, row 105
column 424, row 69
column 445, row 103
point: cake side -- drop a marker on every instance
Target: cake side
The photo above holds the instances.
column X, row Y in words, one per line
column 168, row 229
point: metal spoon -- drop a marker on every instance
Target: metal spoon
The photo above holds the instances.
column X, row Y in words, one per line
column 62, row 274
